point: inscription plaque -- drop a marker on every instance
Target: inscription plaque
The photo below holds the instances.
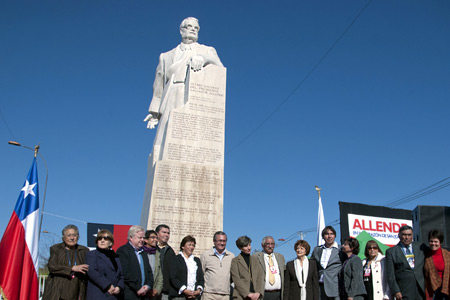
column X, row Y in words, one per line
column 185, row 186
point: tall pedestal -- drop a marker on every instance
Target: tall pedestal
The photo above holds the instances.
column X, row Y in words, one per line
column 184, row 188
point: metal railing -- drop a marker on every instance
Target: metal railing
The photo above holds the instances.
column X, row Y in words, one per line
column 42, row 279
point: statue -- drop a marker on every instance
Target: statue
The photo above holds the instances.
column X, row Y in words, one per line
column 170, row 78
column 184, row 187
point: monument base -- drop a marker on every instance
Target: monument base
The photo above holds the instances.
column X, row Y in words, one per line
column 184, row 188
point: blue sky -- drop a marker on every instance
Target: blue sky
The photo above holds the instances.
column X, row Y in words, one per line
column 370, row 124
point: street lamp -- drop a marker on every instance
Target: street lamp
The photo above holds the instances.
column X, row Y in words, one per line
column 36, row 152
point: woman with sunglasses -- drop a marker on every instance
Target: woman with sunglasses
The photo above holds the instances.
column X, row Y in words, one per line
column 105, row 272
column 374, row 278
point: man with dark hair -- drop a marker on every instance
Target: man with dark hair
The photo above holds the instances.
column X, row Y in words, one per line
column 150, row 247
column 166, row 254
column 216, row 264
column 404, row 267
column 329, row 258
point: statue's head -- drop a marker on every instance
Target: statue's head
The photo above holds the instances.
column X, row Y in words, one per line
column 189, row 29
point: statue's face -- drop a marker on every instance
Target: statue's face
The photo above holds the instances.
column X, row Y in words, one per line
column 189, row 32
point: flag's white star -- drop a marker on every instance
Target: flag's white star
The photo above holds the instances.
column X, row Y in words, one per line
column 95, row 234
column 28, row 189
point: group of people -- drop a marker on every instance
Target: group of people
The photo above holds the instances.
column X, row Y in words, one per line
column 147, row 267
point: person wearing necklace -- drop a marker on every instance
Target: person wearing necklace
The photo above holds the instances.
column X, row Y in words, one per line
column 374, row 278
column 186, row 274
column 105, row 278
column 437, row 268
column 247, row 276
column 301, row 280
column 67, row 267
column 351, row 284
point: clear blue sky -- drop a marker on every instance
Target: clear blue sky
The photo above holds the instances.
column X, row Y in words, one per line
column 370, row 124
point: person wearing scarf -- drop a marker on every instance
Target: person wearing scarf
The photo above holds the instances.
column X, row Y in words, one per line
column 301, row 277
column 154, row 259
column 105, row 278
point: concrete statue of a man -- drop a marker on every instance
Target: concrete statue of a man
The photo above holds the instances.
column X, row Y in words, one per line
column 184, row 186
column 169, row 85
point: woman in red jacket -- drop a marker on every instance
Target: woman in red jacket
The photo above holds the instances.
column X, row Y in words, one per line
column 437, row 268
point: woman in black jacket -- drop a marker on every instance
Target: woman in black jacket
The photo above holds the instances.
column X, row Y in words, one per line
column 186, row 274
column 300, row 277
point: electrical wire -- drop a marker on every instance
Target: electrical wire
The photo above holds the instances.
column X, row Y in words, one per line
column 302, row 81
column 420, row 193
column 7, row 127
column 439, row 185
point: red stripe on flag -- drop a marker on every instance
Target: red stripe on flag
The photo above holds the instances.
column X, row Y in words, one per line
column 18, row 277
column 120, row 235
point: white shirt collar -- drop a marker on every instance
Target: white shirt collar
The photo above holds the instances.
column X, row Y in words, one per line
column 335, row 245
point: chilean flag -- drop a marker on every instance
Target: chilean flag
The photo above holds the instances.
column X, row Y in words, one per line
column 19, row 245
column 120, row 233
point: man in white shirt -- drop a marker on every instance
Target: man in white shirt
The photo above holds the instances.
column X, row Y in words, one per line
column 273, row 266
column 216, row 264
column 329, row 258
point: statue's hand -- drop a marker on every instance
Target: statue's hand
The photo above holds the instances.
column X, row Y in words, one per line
column 197, row 62
column 152, row 121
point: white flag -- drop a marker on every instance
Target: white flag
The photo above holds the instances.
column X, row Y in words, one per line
column 320, row 223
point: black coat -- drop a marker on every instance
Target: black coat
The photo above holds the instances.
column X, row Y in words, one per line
column 101, row 275
column 291, row 286
column 132, row 271
column 179, row 272
column 166, row 259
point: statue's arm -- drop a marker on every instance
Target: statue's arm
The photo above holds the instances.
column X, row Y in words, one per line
column 158, row 87
column 212, row 58
column 202, row 60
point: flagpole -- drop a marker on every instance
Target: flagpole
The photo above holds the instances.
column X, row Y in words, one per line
column 36, row 152
column 320, row 219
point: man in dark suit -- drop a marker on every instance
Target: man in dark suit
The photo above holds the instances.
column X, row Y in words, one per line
column 272, row 265
column 404, row 267
column 329, row 258
column 136, row 269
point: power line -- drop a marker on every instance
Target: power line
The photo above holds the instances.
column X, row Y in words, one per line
column 7, row 127
column 302, row 81
column 420, row 193
column 298, row 233
column 63, row 217
column 402, row 200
